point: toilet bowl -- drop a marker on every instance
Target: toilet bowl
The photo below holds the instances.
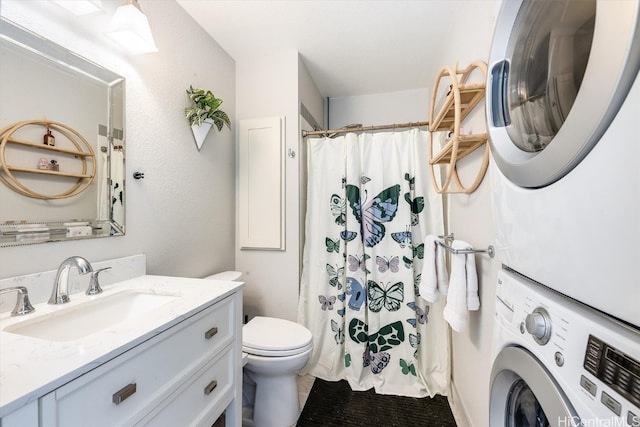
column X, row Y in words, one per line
column 275, row 351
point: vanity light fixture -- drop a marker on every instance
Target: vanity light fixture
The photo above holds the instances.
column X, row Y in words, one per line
column 80, row 7
column 130, row 28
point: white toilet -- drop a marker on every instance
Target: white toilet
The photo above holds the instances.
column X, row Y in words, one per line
column 275, row 350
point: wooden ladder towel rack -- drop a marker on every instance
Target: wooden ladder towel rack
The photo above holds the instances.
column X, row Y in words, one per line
column 457, row 104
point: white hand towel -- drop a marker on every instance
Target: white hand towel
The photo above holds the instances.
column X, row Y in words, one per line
column 463, row 288
column 434, row 272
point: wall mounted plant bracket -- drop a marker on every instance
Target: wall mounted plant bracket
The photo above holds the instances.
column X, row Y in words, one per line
column 200, row 132
column 203, row 113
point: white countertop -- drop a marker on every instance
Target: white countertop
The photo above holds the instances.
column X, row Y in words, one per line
column 32, row 367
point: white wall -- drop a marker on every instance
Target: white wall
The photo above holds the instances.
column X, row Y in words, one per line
column 471, row 220
column 380, row 109
column 182, row 214
column 469, row 216
column 266, row 87
column 309, row 94
column 314, row 102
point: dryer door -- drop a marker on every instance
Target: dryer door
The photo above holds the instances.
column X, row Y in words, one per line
column 558, row 75
column 523, row 393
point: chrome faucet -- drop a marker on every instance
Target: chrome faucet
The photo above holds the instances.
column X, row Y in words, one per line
column 94, row 285
column 60, row 293
column 23, row 306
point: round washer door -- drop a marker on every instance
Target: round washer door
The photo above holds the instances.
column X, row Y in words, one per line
column 558, row 76
column 523, row 393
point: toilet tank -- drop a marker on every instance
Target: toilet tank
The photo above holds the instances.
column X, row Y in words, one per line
column 233, row 276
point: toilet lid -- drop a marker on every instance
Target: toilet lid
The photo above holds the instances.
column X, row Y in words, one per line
column 268, row 334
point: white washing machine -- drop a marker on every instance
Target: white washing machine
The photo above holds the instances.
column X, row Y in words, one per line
column 563, row 111
column 557, row 362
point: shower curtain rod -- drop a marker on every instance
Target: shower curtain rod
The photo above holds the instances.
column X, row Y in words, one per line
column 352, row 128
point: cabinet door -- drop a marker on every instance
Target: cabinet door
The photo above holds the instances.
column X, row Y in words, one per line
column 261, row 183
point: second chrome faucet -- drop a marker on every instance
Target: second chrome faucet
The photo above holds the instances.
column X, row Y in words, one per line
column 60, row 293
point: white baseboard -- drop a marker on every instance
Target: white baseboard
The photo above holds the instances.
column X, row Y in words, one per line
column 459, row 413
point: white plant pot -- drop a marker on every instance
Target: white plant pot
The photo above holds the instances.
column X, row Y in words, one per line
column 200, row 132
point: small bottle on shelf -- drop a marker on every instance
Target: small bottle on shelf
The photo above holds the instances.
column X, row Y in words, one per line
column 49, row 139
column 54, row 166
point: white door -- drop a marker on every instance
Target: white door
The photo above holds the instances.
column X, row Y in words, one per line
column 524, row 394
column 559, row 72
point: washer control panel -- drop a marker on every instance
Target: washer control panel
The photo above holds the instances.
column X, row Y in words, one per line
column 616, row 369
column 594, row 358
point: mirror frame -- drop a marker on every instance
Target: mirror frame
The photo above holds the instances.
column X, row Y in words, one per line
column 22, row 231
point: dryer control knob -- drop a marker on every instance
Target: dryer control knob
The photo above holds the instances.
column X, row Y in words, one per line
column 538, row 324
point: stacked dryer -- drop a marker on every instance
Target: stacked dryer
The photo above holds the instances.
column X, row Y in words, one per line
column 563, row 107
column 563, row 111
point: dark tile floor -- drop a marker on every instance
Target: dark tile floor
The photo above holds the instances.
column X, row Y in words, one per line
column 335, row 404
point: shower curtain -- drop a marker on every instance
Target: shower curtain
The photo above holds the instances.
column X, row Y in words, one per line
column 370, row 205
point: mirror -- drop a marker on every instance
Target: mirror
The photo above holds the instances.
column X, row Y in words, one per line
column 62, row 143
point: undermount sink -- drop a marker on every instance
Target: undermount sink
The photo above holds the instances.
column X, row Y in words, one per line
column 93, row 316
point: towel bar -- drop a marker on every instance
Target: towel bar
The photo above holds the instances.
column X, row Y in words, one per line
column 448, row 237
column 491, row 251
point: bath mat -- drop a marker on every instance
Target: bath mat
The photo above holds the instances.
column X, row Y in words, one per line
column 335, row 404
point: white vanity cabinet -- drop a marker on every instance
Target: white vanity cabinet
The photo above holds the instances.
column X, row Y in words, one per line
column 26, row 416
column 186, row 375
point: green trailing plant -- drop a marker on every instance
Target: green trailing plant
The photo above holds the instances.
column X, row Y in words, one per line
column 205, row 106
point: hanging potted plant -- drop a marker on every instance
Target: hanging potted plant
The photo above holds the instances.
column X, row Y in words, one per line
column 203, row 113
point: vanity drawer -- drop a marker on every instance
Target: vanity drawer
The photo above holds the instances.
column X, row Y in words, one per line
column 200, row 400
column 138, row 380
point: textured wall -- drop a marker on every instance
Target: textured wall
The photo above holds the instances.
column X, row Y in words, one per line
column 182, row 214
column 470, row 218
column 268, row 87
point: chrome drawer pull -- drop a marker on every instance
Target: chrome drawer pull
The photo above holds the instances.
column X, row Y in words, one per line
column 124, row 393
column 210, row 387
column 211, row 332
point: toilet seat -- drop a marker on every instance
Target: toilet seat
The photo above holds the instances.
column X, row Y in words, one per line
column 275, row 353
column 268, row 336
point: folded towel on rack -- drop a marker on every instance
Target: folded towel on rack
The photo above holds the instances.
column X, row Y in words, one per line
column 434, row 279
column 463, row 287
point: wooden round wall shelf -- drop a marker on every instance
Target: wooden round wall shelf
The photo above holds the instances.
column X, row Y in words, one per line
column 82, row 152
column 458, row 103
